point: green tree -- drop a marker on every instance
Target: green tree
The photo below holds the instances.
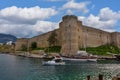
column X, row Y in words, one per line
column 23, row 47
column 52, row 39
column 33, row 45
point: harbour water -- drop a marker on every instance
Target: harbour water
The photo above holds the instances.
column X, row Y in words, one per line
column 21, row 68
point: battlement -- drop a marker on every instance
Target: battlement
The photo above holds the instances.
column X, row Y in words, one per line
column 68, row 17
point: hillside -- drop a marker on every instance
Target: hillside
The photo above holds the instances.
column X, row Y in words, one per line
column 7, row 37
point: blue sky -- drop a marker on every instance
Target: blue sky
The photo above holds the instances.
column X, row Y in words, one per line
column 27, row 18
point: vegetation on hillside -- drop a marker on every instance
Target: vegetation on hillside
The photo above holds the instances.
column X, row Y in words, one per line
column 7, row 48
column 7, row 37
column 39, row 49
column 23, row 47
column 103, row 50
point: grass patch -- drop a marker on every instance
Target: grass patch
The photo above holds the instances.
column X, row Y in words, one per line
column 50, row 49
column 102, row 50
column 39, row 48
column 53, row 49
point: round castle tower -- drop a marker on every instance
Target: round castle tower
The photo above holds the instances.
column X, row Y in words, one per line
column 69, row 31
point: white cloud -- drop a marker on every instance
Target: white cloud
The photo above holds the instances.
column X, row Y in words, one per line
column 28, row 13
column 16, row 14
column 26, row 22
column 105, row 20
column 21, row 30
column 45, row 26
column 25, row 30
column 108, row 14
column 69, row 12
column 79, row 6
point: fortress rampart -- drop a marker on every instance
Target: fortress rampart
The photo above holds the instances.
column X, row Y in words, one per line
column 72, row 35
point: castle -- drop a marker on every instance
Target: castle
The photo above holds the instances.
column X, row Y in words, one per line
column 72, row 35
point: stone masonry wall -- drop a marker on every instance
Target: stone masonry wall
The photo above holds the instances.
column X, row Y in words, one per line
column 42, row 39
column 95, row 37
column 115, row 39
column 20, row 42
column 69, row 35
column 72, row 35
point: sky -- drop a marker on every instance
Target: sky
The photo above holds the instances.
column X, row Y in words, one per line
column 28, row 18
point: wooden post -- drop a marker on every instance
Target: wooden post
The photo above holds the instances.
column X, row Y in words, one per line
column 88, row 77
column 100, row 77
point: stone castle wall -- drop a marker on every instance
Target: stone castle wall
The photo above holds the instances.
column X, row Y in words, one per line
column 95, row 37
column 115, row 38
column 42, row 40
column 72, row 35
column 69, row 35
column 20, row 42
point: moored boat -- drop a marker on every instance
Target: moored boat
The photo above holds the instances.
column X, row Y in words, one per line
column 85, row 58
column 118, row 56
column 81, row 56
column 56, row 61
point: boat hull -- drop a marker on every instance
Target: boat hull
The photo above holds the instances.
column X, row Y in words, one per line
column 93, row 60
column 117, row 56
column 53, row 63
column 73, row 59
column 82, row 59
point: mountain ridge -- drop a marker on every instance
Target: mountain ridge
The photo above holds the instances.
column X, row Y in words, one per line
column 7, row 37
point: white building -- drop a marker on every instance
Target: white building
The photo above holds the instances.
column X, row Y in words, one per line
column 1, row 43
column 9, row 43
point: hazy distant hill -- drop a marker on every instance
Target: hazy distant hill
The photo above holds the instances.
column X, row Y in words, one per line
column 7, row 37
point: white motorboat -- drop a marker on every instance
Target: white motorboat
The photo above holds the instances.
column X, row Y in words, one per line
column 56, row 61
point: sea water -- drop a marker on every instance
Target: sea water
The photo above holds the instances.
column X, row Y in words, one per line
column 22, row 68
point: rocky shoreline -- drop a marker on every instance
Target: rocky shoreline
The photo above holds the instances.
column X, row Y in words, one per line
column 30, row 55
